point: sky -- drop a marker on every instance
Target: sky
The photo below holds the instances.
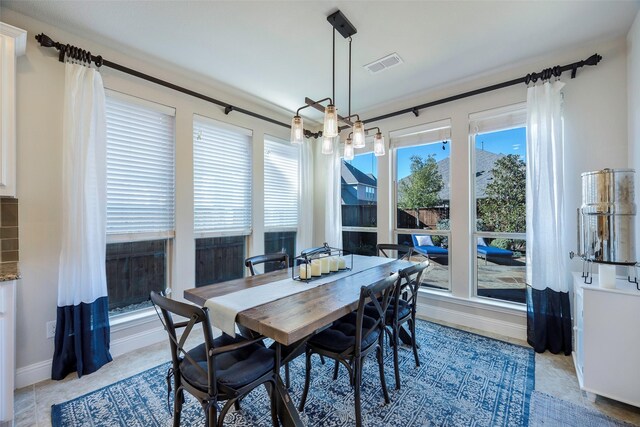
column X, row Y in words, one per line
column 511, row 141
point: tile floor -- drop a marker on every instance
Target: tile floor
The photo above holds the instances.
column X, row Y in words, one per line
column 555, row 375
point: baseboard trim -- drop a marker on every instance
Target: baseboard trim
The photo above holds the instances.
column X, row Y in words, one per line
column 41, row 371
column 472, row 320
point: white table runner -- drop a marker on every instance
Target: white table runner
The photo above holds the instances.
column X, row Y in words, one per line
column 224, row 309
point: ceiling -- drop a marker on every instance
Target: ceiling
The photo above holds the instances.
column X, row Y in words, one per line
column 280, row 51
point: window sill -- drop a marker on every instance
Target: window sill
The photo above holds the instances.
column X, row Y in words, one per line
column 129, row 320
column 475, row 302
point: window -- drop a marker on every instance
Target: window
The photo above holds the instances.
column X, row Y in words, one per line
column 140, row 199
column 499, row 159
column 280, row 196
column 359, row 204
column 222, row 199
column 422, row 181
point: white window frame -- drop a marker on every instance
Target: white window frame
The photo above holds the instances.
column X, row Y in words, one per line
column 121, row 320
column 424, row 134
column 488, row 121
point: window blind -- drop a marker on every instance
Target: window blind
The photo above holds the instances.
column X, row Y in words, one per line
column 280, row 185
column 140, row 167
column 503, row 118
column 423, row 134
column 221, row 178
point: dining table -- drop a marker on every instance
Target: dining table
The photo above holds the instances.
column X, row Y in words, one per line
column 295, row 317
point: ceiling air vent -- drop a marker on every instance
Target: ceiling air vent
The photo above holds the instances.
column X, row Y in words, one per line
column 384, row 63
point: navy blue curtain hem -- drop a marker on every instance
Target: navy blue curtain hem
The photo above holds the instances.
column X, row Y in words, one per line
column 82, row 339
column 549, row 321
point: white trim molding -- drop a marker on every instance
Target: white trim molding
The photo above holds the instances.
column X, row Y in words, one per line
column 491, row 318
column 13, row 42
column 41, row 371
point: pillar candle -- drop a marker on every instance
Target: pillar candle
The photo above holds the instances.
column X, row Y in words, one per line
column 316, row 268
column 305, row 271
column 333, row 263
column 342, row 263
column 324, row 261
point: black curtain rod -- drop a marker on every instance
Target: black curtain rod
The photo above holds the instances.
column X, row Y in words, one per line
column 83, row 55
column 533, row 77
column 86, row 56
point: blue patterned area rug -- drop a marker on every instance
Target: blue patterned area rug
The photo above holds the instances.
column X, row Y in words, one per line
column 463, row 380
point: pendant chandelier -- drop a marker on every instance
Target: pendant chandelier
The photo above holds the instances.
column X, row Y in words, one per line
column 331, row 128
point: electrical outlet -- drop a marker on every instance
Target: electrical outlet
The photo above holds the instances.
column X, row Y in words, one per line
column 51, row 329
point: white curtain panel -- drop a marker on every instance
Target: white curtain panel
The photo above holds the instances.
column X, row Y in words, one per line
column 304, row 236
column 546, row 252
column 333, row 196
column 81, row 276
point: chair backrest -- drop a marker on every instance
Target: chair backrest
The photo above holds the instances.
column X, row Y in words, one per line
column 195, row 315
column 404, row 251
column 408, row 286
column 378, row 294
column 279, row 260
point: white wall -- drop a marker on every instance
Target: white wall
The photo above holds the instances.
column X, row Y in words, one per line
column 595, row 138
column 39, row 131
column 633, row 79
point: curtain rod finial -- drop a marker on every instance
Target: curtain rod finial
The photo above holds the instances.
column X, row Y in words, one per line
column 44, row 40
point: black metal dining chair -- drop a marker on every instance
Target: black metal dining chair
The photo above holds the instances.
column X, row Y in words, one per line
column 404, row 251
column 403, row 310
column 350, row 339
column 219, row 369
column 277, row 261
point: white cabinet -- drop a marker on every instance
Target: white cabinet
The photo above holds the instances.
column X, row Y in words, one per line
column 7, row 349
column 607, row 339
column 13, row 43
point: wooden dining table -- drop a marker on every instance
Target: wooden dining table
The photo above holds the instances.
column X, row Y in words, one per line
column 295, row 317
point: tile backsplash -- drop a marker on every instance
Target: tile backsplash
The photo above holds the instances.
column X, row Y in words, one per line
column 9, row 246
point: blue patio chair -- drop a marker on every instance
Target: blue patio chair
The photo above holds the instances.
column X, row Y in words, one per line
column 485, row 251
column 424, row 245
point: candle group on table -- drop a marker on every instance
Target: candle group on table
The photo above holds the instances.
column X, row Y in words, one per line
column 323, row 265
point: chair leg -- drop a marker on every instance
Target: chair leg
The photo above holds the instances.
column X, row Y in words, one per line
column 336, row 367
column 322, row 359
column 396, row 364
column 210, row 411
column 383, row 382
column 286, row 376
column 224, row 411
column 177, row 406
column 414, row 344
column 357, row 382
column 236, row 405
column 307, row 380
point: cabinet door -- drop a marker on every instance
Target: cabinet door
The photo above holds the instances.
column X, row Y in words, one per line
column 612, row 345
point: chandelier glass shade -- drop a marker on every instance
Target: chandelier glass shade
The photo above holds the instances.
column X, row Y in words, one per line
column 378, row 144
column 297, row 130
column 358, row 134
column 330, row 121
column 348, row 149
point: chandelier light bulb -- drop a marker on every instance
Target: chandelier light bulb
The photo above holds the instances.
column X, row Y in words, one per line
column 378, row 144
column 327, row 145
column 348, row 149
column 330, row 121
column 297, row 130
column 358, row 135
